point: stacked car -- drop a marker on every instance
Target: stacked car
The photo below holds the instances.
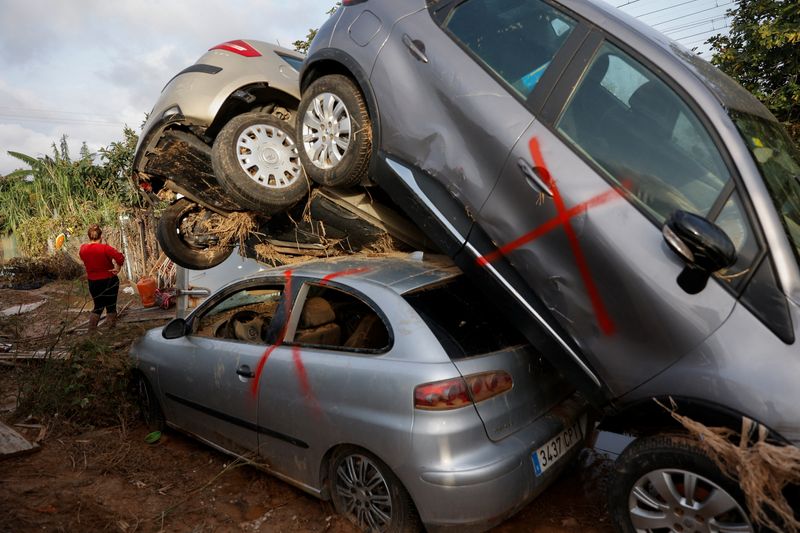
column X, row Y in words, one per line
column 629, row 209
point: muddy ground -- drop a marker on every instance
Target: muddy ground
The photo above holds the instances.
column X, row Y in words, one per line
column 109, row 479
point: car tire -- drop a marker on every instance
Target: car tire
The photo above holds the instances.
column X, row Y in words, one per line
column 349, row 469
column 334, row 132
column 149, row 408
column 255, row 160
column 179, row 242
column 648, row 489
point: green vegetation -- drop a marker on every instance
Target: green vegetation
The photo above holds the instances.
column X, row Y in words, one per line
column 762, row 52
column 301, row 45
column 56, row 193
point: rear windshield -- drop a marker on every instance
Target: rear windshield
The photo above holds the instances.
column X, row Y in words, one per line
column 465, row 322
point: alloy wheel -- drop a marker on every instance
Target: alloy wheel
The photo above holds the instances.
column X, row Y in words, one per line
column 326, row 130
column 364, row 492
column 684, row 502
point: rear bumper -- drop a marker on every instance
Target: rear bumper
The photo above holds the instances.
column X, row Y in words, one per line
column 487, row 483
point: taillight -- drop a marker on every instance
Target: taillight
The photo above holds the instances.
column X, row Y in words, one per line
column 352, row 2
column 238, row 47
column 460, row 392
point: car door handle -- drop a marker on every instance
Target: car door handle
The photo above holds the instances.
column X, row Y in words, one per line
column 245, row 372
column 533, row 176
column 416, row 47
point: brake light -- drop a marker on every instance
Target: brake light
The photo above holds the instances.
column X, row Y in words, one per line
column 238, row 47
column 460, row 392
column 352, row 2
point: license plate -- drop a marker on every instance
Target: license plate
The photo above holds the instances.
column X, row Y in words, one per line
column 556, row 448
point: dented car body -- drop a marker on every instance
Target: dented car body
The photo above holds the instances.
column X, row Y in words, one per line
column 633, row 210
column 396, row 366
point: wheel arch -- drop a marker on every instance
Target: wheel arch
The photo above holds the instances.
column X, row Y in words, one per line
column 646, row 417
column 246, row 99
column 331, row 61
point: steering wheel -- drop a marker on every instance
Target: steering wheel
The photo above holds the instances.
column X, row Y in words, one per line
column 246, row 326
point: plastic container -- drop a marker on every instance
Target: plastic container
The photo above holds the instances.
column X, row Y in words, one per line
column 147, row 291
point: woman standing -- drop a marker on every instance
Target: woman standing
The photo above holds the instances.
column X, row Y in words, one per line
column 102, row 262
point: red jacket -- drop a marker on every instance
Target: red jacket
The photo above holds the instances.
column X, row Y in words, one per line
column 97, row 258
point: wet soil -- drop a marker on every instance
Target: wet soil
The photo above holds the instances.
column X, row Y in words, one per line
column 110, row 479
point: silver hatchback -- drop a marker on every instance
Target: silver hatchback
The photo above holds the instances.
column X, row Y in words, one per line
column 387, row 385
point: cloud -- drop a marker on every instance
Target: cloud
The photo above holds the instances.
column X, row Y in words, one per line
column 85, row 68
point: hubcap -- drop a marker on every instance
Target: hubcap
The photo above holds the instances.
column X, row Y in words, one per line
column 268, row 156
column 364, row 493
column 683, row 502
column 326, row 130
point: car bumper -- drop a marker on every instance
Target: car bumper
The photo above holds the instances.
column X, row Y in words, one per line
column 480, row 486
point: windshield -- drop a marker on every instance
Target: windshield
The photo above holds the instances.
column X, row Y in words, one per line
column 779, row 161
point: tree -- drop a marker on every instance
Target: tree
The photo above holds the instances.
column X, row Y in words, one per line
column 762, row 52
column 301, row 45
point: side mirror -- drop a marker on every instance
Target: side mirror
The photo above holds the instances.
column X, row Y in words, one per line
column 175, row 329
column 703, row 246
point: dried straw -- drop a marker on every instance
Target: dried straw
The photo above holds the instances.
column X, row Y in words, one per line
column 763, row 469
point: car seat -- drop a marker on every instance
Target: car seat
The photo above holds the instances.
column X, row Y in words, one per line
column 370, row 334
column 317, row 324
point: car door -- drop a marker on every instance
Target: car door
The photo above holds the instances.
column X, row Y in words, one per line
column 324, row 385
column 579, row 207
column 452, row 87
column 207, row 376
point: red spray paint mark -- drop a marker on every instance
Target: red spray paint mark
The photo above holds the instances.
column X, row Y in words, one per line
column 302, row 377
column 563, row 219
column 281, row 335
column 348, row 272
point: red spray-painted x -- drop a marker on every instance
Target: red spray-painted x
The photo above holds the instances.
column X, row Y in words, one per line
column 563, row 219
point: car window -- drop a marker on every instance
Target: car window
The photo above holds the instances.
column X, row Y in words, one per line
column 245, row 315
column 332, row 318
column 734, row 223
column 466, row 323
column 643, row 136
column 517, row 40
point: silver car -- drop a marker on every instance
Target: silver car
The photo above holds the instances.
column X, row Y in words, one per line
column 389, row 386
column 222, row 135
column 634, row 211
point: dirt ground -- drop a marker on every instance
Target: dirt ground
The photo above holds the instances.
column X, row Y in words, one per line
column 110, row 479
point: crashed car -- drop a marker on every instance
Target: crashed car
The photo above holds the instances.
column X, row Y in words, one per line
column 633, row 210
column 387, row 385
column 220, row 140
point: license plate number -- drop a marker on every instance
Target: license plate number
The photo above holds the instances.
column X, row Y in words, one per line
column 557, row 447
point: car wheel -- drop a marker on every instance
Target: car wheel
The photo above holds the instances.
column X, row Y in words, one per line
column 669, row 483
column 255, row 160
column 183, row 233
column 365, row 490
column 149, row 408
column 335, row 132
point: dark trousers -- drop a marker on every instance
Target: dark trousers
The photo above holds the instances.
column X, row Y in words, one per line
column 104, row 294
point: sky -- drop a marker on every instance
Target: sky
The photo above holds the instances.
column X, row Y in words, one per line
column 86, row 68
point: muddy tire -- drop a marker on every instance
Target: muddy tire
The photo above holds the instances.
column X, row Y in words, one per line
column 366, row 492
column 255, row 160
column 149, row 408
column 648, row 491
column 182, row 240
column 334, row 132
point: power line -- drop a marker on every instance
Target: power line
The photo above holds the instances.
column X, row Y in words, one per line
column 702, row 32
column 696, row 24
column 665, row 8
column 693, row 14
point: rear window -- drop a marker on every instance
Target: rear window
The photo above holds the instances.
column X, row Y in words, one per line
column 466, row 323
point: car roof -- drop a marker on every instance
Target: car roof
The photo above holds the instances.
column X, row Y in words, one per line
column 401, row 273
column 667, row 54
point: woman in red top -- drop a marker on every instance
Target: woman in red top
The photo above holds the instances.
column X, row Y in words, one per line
column 102, row 262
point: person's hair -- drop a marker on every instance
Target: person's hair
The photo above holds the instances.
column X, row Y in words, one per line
column 94, row 232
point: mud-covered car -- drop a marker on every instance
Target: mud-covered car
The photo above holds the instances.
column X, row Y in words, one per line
column 633, row 210
column 222, row 137
column 387, row 385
